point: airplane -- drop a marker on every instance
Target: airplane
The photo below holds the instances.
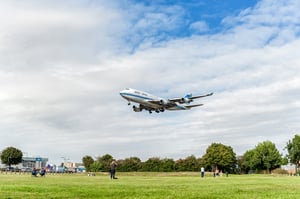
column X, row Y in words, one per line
column 151, row 102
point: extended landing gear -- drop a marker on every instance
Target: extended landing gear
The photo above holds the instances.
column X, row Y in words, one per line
column 129, row 103
column 149, row 109
column 156, row 110
column 137, row 109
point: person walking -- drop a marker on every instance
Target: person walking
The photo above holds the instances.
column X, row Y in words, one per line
column 202, row 172
column 113, row 166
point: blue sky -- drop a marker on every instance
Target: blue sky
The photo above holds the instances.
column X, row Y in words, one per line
column 62, row 65
column 210, row 11
column 184, row 18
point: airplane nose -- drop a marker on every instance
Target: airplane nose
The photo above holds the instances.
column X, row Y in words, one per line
column 122, row 93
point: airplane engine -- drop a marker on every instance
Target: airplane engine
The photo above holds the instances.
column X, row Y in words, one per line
column 163, row 102
column 136, row 109
column 185, row 100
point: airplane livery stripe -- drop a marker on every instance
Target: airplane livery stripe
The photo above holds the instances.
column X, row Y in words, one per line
column 138, row 96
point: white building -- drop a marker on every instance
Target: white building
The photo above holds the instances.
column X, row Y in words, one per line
column 30, row 163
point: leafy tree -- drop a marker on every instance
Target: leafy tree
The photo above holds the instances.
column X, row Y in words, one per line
column 152, row 164
column 249, row 161
column 284, row 161
column 168, row 165
column 129, row 164
column 190, row 163
column 193, row 164
column 219, row 156
column 180, row 165
column 105, row 161
column 11, row 155
column 264, row 156
column 293, row 148
column 87, row 162
column 240, row 168
column 267, row 155
column 95, row 166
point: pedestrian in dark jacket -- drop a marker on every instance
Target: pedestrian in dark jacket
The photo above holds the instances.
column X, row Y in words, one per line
column 113, row 166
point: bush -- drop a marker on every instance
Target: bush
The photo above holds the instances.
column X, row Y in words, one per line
column 280, row 171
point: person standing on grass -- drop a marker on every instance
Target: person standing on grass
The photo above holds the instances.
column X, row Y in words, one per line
column 113, row 166
column 202, row 172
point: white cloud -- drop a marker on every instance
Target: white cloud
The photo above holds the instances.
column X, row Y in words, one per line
column 35, row 37
column 62, row 66
column 199, row 27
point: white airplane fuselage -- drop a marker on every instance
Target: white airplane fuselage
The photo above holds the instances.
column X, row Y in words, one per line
column 141, row 97
column 151, row 102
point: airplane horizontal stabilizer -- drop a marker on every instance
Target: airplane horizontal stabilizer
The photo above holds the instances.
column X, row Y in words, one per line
column 191, row 106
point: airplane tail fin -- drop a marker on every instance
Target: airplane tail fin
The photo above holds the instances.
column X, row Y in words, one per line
column 186, row 99
column 188, row 95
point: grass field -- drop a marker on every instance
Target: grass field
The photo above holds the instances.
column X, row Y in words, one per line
column 149, row 185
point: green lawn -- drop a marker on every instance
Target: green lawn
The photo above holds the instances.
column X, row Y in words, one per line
column 149, row 185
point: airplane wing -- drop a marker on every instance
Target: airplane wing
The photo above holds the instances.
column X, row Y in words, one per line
column 199, row 96
column 154, row 101
column 189, row 98
column 162, row 104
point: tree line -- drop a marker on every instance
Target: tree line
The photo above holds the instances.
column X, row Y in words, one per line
column 264, row 157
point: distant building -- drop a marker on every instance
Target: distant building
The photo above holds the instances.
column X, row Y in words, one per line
column 34, row 162
column 72, row 164
column 30, row 162
column 74, row 167
column 69, row 165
